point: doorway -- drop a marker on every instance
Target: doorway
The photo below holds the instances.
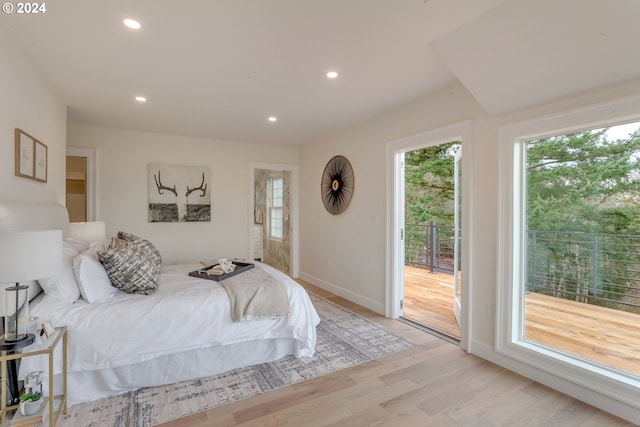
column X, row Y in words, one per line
column 76, row 195
column 273, row 225
column 81, row 184
column 444, row 252
column 432, row 238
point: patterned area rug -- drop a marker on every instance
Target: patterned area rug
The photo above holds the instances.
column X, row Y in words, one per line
column 345, row 339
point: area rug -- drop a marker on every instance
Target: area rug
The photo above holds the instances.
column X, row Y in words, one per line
column 344, row 339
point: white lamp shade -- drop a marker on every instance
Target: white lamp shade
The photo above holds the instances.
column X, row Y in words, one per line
column 88, row 231
column 30, row 255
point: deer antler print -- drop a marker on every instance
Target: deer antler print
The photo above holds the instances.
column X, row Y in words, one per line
column 162, row 187
column 202, row 187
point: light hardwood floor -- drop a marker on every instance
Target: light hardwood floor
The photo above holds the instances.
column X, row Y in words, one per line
column 428, row 299
column 600, row 334
column 603, row 335
column 434, row 384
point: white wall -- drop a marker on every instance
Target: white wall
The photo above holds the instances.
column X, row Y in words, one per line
column 354, row 242
column 347, row 253
column 27, row 103
column 123, row 157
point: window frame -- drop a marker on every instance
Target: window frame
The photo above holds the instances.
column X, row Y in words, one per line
column 271, row 207
column 510, row 341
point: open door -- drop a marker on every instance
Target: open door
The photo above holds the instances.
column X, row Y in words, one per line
column 272, row 213
column 430, row 254
column 265, row 207
column 400, row 208
column 457, row 240
column 399, row 295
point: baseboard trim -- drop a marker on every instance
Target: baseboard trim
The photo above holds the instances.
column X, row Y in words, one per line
column 344, row 293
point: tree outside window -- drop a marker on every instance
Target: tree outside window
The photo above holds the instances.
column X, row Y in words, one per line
column 583, row 221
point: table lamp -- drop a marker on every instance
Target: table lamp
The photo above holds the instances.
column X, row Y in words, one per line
column 24, row 256
column 88, row 231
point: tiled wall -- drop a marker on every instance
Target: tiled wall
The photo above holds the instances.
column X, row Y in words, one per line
column 275, row 253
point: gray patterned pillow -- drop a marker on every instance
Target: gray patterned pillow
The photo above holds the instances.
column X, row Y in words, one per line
column 129, row 267
column 143, row 244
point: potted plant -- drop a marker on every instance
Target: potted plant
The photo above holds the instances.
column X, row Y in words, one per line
column 30, row 403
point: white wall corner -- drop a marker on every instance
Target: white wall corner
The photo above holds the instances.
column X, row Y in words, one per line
column 345, row 293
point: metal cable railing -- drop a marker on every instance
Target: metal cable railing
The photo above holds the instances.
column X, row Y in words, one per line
column 602, row 269
column 429, row 246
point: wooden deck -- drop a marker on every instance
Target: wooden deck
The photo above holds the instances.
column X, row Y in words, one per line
column 606, row 336
column 428, row 299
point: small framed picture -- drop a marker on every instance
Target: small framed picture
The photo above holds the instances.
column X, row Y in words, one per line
column 40, row 173
column 31, row 157
column 48, row 329
column 25, row 147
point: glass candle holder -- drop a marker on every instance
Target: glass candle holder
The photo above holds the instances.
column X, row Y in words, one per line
column 17, row 311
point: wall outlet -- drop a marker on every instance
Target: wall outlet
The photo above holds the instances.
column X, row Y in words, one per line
column 328, row 263
column 491, row 310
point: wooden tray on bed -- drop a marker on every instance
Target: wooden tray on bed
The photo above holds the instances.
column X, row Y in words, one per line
column 204, row 273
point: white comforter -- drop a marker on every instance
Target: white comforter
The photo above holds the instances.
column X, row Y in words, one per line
column 185, row 313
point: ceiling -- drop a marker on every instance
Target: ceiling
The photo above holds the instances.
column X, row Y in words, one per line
column 530, row 52
column 219, row 68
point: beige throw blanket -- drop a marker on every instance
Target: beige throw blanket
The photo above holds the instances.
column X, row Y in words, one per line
column 255, row 294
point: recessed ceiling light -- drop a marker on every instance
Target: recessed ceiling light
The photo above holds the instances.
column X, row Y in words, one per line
column 332, row 74
column 141, row 99
column 132, row 23
column 273, row 119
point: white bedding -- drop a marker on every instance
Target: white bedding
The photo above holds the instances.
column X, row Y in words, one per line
column 182, row 332
column 185, row 316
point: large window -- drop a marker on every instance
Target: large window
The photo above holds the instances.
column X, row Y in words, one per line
column 582, row 243
column 569, row 288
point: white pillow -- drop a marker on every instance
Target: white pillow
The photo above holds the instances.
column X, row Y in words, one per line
column 63, row 286
column 75, row 244
column 92, row 279
column 99, row 245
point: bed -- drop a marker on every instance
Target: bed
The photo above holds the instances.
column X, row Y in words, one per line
column 181, row 331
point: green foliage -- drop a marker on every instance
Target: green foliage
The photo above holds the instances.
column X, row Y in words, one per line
column 582, row 182
column 33, row 397
column 429, row 184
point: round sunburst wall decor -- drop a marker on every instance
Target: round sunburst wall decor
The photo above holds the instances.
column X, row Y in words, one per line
column 336, row 187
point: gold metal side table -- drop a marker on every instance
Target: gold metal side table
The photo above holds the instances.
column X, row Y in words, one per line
column 50, row 346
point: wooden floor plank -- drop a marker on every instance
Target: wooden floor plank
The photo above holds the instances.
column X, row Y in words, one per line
column 428, row 299
column 599, row 334
column 433, row 384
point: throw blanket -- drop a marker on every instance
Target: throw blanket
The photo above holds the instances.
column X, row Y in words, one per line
column 255, row 294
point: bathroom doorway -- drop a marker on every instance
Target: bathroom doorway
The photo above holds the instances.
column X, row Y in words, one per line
column 273, row 228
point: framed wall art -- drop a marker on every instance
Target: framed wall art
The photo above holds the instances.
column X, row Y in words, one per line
column 336, row 187
column 31, row 157
column 179, row 193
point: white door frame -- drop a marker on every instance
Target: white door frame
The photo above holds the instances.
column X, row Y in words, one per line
column 457, row 190
column 294, row 217
column 91, row 186
column 395, row 218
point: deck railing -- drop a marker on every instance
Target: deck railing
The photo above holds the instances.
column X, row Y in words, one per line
column 600, row 269
column 429, row 246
